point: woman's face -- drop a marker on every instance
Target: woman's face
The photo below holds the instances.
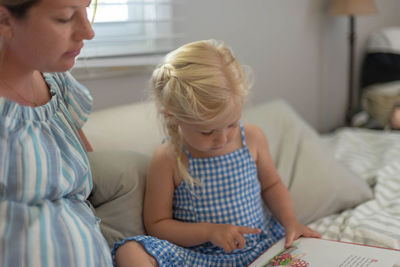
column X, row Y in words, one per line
column 50, row 36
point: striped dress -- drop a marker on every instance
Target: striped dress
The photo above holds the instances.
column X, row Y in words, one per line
column 230, row 194
column 44, row 182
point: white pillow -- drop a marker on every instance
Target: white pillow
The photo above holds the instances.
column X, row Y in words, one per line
column 318, row 184
column 133, row 127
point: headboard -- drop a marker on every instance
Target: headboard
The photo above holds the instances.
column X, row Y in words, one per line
column 381, row 62
column 380, row 77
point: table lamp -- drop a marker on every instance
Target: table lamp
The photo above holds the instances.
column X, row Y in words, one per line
column 351, row 8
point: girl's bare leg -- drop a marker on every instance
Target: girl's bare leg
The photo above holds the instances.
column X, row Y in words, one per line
column 133, row 254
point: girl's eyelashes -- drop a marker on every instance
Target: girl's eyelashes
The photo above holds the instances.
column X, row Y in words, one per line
column 232, row 125
column 207, row 133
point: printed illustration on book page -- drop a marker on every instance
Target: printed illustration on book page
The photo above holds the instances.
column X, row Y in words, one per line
column 314, row 252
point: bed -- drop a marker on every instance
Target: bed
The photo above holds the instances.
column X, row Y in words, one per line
column 345, row 184
column 375, row 157
column 370, row 152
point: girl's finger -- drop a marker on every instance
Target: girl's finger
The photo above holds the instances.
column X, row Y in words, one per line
column 249, row 230
column 232, row 245
column 240, row 241
column 289, row 240
column 311, row 233
column 227, row 247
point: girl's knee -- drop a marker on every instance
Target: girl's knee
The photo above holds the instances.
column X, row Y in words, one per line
column 132, row 254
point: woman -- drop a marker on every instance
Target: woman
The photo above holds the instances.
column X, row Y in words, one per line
column 44, row 170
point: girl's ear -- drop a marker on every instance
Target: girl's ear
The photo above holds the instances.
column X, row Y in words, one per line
column 5, row 22
column 169, row 117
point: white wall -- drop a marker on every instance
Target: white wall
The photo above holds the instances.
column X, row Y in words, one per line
column 297, row 51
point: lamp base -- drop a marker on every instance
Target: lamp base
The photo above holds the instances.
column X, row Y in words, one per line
column 349, row 118
column 350, row 93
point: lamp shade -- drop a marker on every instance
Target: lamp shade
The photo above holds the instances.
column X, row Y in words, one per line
column 352, row 7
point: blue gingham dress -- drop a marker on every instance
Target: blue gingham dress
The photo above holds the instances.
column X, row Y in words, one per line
column 230, row 195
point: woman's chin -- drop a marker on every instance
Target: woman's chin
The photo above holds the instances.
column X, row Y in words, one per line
column 69, row 65
column 65, row 66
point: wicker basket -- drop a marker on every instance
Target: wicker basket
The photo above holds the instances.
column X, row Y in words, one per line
column 379, row 101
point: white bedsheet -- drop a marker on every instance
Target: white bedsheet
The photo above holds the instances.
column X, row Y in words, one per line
column 375, row 156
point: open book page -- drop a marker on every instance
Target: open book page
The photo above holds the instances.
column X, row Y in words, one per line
column 314, row 252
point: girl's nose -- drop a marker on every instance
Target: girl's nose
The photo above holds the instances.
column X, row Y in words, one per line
column 221, row 138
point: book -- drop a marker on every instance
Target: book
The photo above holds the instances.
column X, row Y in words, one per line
column 317, row 252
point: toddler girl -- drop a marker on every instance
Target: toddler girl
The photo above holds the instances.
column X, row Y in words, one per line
column 205, row 185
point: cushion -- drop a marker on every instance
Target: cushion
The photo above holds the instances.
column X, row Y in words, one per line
column 318, row 184
column 127, row 127
column 118, row 190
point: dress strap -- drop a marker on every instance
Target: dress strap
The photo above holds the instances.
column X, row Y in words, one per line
column 184, row 149
column 242, row 133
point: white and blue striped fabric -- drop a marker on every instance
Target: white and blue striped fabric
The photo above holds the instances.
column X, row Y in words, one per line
column 230, row 194
column 44, row 182
column 374, row 156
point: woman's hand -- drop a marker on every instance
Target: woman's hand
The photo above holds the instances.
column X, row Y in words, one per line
column 295, row 229
column 229, row 237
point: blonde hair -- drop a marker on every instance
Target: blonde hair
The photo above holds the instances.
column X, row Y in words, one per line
column 195, row 84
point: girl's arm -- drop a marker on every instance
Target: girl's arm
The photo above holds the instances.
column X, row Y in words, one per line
column 157, row 212
column 273, row 190
column 158, row 199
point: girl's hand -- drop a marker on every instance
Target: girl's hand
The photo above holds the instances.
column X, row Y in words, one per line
column 295, row 229
column 229, row 237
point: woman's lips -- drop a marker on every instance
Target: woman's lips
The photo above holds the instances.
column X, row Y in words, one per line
column 73, row 53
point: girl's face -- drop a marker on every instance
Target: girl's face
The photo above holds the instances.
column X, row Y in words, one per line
column 50, row 36
column 215, row 139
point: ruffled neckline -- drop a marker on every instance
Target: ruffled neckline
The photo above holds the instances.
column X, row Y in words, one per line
column 13, row 110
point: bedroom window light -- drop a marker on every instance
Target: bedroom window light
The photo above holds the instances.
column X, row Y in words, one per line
column 126, row 30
